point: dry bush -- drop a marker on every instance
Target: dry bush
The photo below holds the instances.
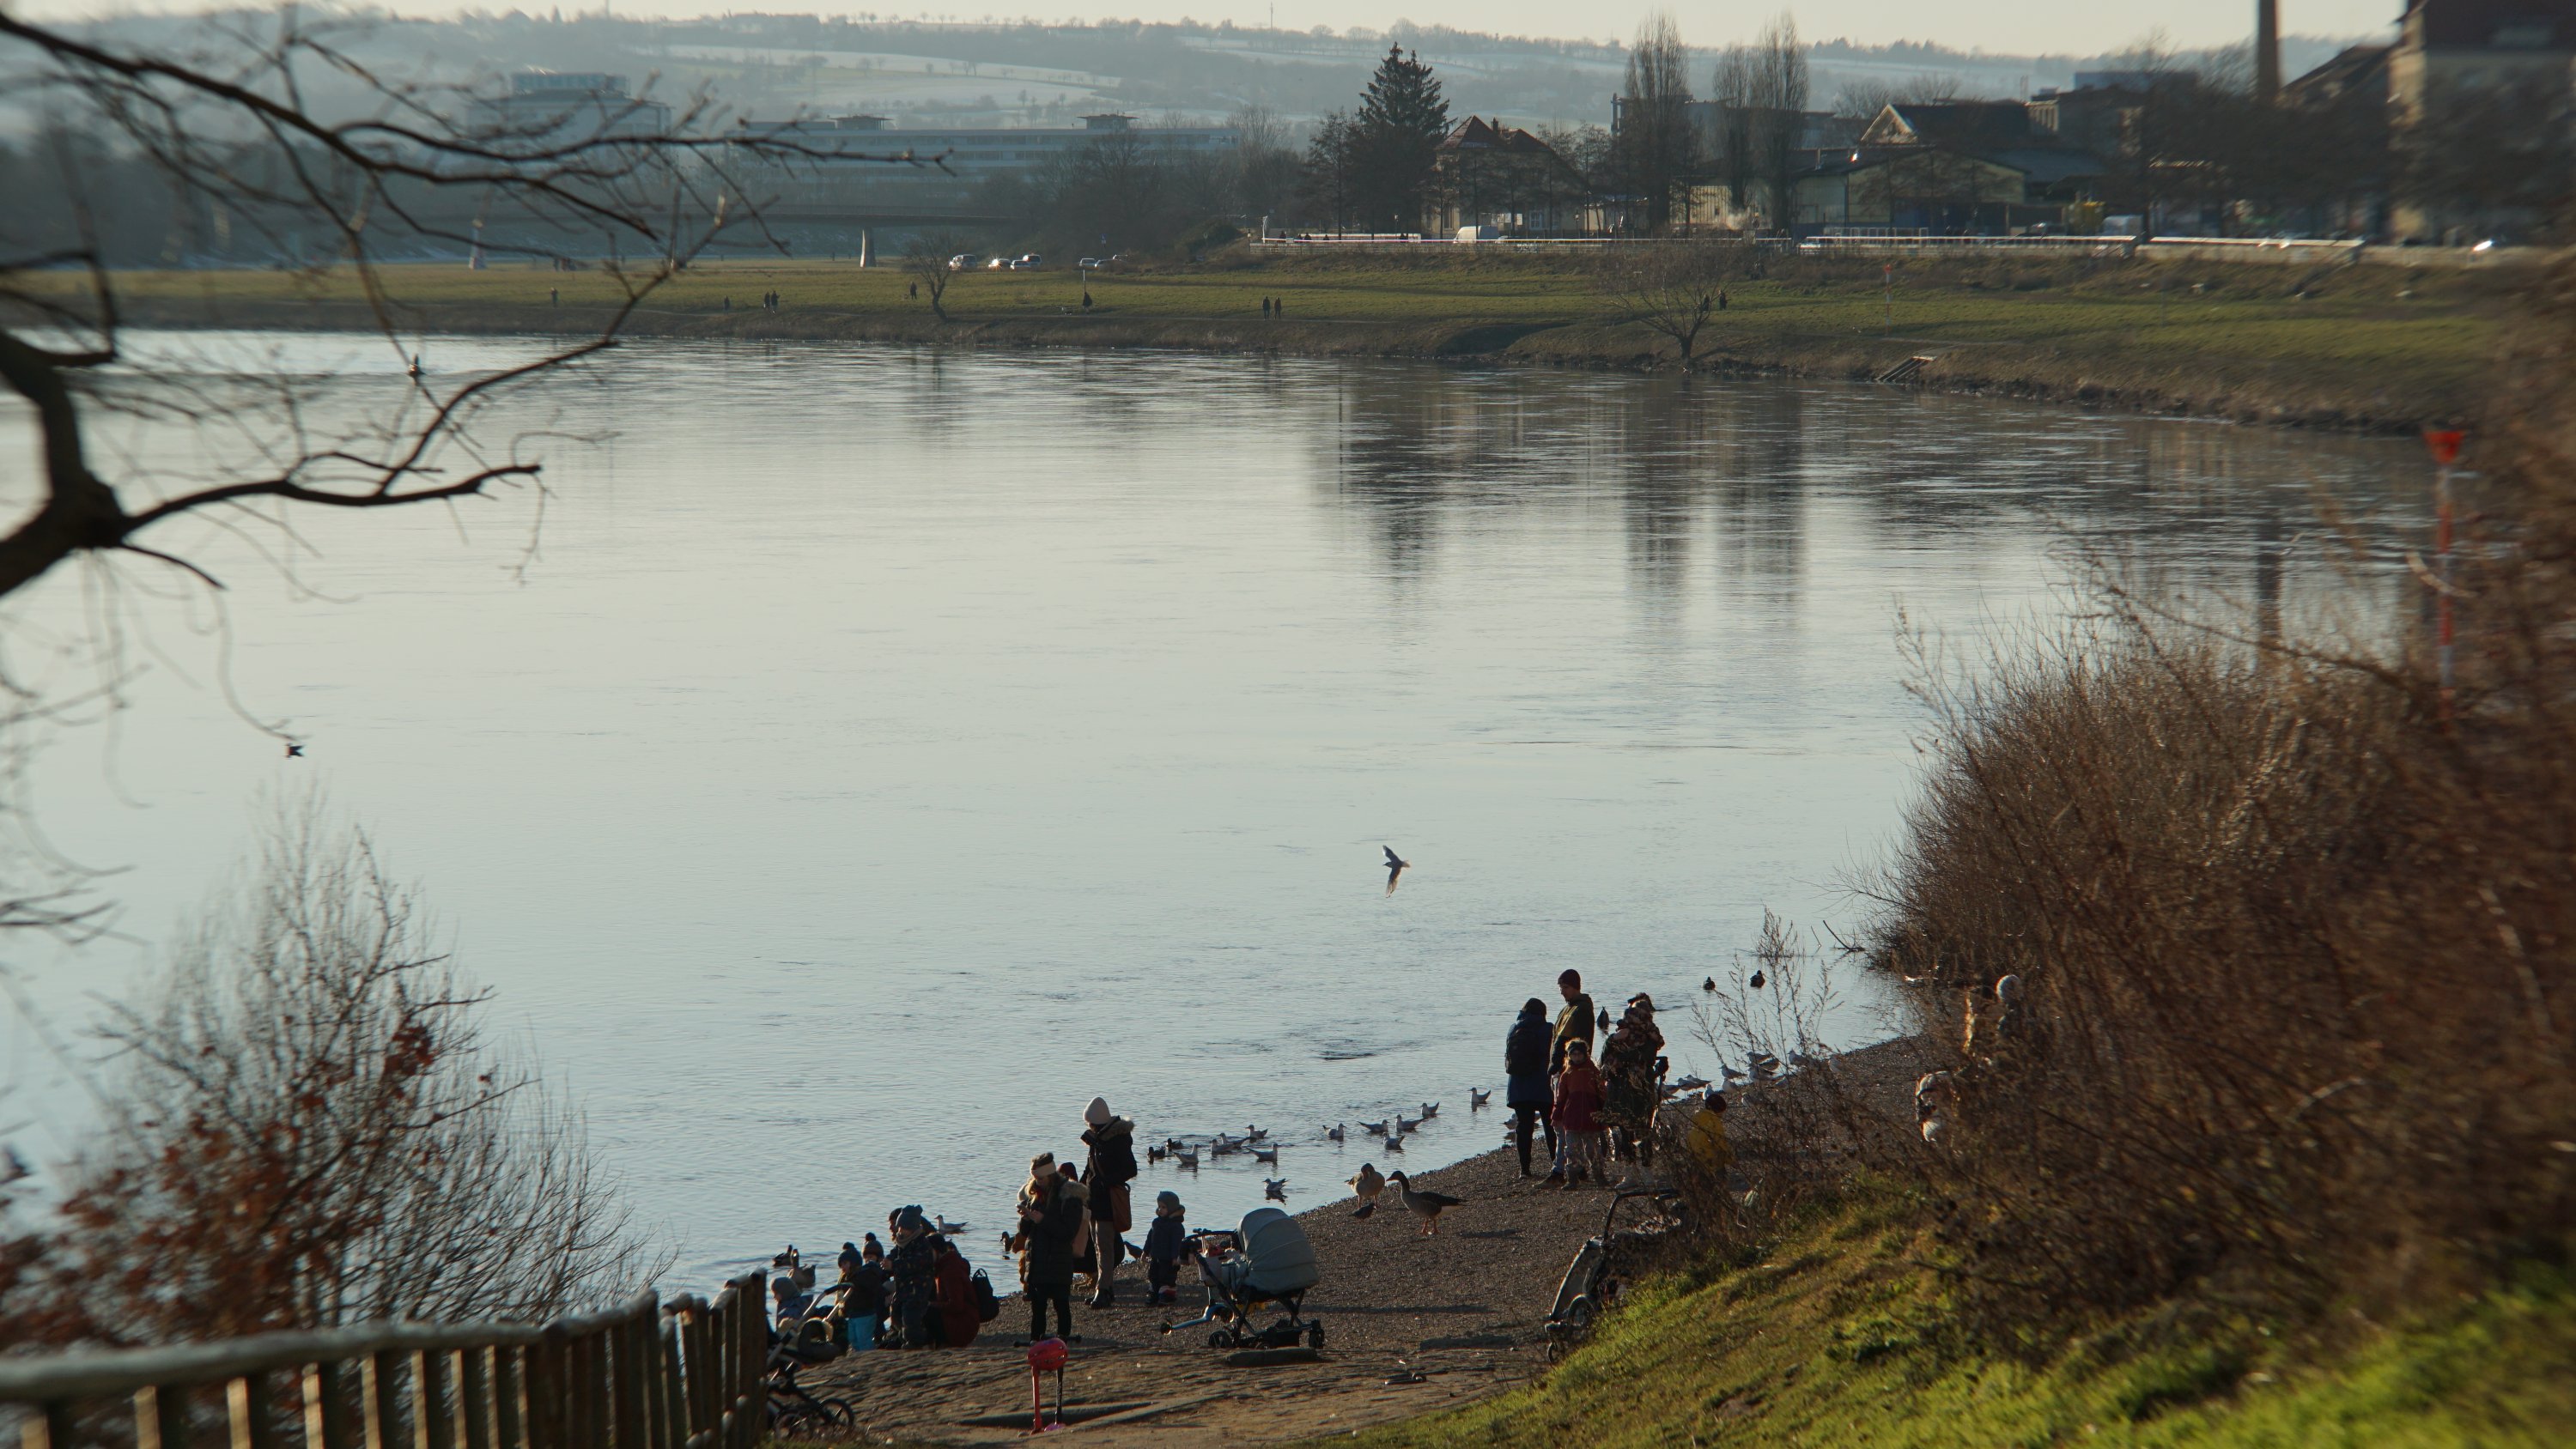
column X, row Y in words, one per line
column 305, row 1128
column 2295, row 933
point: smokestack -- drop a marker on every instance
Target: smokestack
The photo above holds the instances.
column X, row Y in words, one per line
column 2267, row 51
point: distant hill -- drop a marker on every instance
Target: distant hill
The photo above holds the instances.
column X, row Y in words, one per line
column 1022, row 74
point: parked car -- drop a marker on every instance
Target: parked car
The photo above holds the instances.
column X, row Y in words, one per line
column 962, row 262
column 1028, row 263
column 1088, row 263
column 996, row 264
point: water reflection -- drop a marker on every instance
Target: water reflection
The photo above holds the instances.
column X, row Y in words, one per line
column 871, row 709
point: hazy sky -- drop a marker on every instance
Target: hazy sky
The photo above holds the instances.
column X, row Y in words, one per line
column 2020, row 27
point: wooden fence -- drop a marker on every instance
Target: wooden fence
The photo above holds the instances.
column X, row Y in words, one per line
column 688, row 1374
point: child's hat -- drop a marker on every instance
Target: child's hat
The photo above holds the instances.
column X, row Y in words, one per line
column 1167, row 1199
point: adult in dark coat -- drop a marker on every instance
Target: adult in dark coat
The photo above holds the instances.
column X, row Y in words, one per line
column 1051, row 1213
column 1105, row 1175
column 1526, row 1049
column 1632, row 1078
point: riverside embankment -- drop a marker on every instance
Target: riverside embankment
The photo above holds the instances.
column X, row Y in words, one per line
column 2380, row 347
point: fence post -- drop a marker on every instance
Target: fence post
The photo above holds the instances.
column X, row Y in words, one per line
column 381, row 1399
column 474, row 1398
column 544, row 1395
column 671, row 1409
column 431, row 1428
column 509, row 1397
column 326, row 1407
column 595, row 1357
column 254, row 1426
column 50, row 1427
column 160, row 1418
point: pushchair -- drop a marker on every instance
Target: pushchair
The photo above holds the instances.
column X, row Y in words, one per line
column 1271, row 1263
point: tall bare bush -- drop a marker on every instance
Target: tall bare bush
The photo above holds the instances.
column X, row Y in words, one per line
column 307, row 1127
column 2294, row 930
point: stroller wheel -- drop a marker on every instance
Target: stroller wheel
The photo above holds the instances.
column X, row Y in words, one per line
column 1220, row 1339
column 1315, row 1335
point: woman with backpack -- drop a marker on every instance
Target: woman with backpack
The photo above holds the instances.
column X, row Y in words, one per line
column 1525, row 1090
column 1051, row 1214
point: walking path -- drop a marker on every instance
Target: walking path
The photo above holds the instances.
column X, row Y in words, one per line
column 1412, row 1324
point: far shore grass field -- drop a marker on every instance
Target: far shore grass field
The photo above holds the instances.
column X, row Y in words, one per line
column 2374, row 346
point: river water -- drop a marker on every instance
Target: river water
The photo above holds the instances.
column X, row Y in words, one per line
column 883, row 751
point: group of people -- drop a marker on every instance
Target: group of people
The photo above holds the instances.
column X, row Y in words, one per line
column 923, row 1294
column 1595, row 1112
column 1274, row 306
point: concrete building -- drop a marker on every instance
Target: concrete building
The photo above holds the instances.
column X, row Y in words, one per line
column 545, row 107
column 873, row 164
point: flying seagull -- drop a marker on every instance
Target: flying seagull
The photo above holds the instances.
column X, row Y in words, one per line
column 294, row 751
column 1395, row 867
column 1425, row 1205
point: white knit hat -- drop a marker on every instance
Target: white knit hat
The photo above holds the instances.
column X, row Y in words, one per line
column 1097, row 1114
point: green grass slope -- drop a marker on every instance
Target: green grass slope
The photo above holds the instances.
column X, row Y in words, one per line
column 1840, row 1338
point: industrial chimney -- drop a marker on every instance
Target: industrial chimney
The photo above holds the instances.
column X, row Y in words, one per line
column 2267, row 51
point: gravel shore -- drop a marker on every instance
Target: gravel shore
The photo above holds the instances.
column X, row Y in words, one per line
column 1412, row 1323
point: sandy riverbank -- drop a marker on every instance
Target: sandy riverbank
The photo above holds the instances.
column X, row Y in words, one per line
column 1412, row 1324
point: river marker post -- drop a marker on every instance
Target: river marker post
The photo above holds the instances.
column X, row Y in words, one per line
column 2444, row 444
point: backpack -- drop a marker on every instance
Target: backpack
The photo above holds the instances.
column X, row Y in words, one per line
column 1525, row 1048
column 988, row 1304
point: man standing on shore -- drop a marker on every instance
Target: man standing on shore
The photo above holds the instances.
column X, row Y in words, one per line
column 1573, row 1024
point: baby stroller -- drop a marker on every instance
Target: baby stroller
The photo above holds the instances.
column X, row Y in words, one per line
column 1272, row 1263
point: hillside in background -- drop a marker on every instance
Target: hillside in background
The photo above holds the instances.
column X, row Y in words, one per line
column 1029, row 73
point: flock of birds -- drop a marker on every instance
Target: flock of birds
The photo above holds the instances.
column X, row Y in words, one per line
column 1257, row 1143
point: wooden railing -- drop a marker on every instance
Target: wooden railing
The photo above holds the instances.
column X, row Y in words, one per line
column 688, row 1374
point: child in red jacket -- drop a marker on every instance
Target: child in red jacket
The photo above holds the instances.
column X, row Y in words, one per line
column 1578, row 1115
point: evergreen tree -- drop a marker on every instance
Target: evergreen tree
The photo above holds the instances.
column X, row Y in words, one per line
column 1393, row 142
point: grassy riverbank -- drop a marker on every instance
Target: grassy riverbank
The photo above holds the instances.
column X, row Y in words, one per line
column 2379, row 346
column 1840, row 1335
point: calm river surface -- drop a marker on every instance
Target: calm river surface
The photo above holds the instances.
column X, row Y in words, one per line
column 885, row 751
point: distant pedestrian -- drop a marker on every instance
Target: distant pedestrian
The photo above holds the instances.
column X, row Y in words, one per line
column 554, row 296
column 1111, row 1166
column 913, row 291
column 1578, row 1118
column 1265, row 306
column 1721, row 301
column 1051, row 1218
column 728, row 304
column 1086, row 299
column 1525, row 1091
column 1279, row 307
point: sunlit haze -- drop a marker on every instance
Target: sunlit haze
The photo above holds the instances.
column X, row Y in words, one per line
column 2013, row 27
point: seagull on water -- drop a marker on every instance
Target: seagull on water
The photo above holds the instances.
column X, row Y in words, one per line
column 1396, row 865
column 1187, row 1157
column 1374, row 1129
column 1269, row 1155
column 1275, row 1188
column 1333, row 1133
column 945, row 1226
column 1755, row 981
column 1478, row 1097
column 1430, row 1110
column 1254, row 1134
column 1155, row 1154
column 1395, row 1142
column 1402, row 1127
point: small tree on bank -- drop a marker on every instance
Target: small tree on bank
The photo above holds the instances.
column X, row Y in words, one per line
column 1670, row 289
column 925, row 260
column 305, row 1128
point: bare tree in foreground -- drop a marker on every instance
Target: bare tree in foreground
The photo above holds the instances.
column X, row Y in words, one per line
column 1670, row 289
column 215, row 125
column 306, row 1127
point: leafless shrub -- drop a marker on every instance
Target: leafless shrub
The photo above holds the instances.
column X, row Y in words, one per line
column 2293, row 925
column 305, row 1126
column 1670, row 288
